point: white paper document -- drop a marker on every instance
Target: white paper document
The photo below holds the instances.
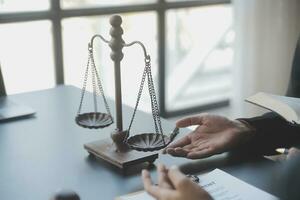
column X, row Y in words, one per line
column 221, row 186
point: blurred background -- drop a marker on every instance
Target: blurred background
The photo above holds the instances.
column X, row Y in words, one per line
column 207, row 55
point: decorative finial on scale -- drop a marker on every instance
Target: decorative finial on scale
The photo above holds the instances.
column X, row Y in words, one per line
column 116, row 43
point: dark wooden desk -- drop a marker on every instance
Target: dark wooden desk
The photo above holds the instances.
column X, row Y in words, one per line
column 42, row 154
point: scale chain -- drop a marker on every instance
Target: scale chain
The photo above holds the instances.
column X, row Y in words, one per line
column 140, row 94
column 99, row 83
column 154, row 105
column 154, row 99
column 84, row 84
column 93, row 80
column 102, row 93
column 138, row 98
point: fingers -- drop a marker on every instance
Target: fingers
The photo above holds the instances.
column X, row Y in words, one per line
column 200, row 153
column 155, row 191
column 293, row 152
column 178, row 179
column 146, row 179
column 163, row 180
column 149, row 187
column 196, row 145
column 177, row 152
column 189, row 121
column 179, row 143
column 186, row 187
column 184, row 151
column 181, row 152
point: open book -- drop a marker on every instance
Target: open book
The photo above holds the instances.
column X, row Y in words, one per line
column 286, row 107
column 220, row 185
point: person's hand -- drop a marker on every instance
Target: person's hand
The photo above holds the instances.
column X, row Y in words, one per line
column 215, row 134
column 173, row 185
column 293, row 152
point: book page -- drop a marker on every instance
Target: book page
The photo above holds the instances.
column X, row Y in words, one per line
column 275, row 103
column 292, row 102
column 221, row 186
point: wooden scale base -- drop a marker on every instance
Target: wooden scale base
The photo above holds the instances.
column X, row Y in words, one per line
column 105, row 149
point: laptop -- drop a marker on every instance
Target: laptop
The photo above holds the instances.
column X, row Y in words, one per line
column 10, row 109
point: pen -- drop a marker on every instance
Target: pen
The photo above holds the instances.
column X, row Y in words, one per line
column 282, row 151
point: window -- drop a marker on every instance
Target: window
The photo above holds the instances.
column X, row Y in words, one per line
column 44, row 42
column 198, row 57
column 27, row 56
column 13, row 6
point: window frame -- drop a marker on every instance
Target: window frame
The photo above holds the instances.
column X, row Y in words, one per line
column 56, row 14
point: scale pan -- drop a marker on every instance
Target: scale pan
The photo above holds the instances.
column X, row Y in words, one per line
column 94, row 120
column 148, row 142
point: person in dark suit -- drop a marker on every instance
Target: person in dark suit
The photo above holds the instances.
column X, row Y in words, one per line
column 217, row 134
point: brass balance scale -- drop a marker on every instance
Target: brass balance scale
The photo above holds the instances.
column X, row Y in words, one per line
column 126, row 150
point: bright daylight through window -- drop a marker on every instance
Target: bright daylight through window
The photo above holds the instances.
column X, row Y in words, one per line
column 190, row 43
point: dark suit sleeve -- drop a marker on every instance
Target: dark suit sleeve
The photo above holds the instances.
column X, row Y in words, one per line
column 271, row 132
